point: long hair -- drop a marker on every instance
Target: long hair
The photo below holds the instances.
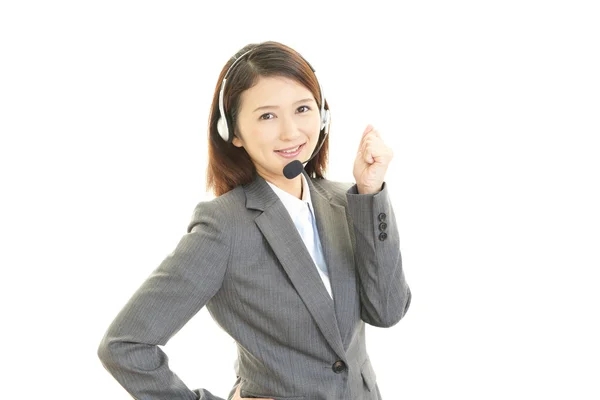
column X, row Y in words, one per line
column 228, row 165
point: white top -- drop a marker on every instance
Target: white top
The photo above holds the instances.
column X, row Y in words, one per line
column 302, row 214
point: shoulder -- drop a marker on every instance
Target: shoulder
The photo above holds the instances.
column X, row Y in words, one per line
column 333, row 189
column 220, row 211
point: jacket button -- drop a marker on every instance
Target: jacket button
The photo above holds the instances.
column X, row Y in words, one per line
column 382, row 226
column 382, row 216
column 382, row 236
column 339, row 366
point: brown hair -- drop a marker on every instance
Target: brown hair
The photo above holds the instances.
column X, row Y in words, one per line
column 228, row 165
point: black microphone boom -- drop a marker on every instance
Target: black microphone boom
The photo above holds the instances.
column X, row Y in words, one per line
column 294, row 168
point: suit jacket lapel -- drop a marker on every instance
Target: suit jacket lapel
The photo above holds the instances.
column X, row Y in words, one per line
column 278, row 229
column 337, row 249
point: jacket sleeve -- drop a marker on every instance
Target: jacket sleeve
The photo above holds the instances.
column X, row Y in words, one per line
column 173, row 293
column 384, row 293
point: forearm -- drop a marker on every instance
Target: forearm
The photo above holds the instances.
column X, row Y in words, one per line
column 142, row 370
column 384, row 292
column 182, row 284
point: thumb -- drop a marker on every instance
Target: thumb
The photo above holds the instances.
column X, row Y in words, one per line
column 368, row 129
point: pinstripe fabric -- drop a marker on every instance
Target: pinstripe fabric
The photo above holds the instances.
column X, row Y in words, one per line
column 241, row 259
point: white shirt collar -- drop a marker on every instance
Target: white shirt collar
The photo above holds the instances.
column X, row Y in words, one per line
column 293, row 204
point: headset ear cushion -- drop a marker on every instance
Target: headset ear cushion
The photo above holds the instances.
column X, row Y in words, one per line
column 325, row 120
column 222, row 129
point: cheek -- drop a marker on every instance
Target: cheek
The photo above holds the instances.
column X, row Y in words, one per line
column 262, row 138
column 313, row 124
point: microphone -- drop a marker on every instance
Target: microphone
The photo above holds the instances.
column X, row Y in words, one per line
column 294, row 168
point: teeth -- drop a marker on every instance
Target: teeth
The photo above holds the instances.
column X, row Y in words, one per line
column 289, row 151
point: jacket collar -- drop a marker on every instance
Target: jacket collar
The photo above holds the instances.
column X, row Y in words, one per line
column 260, row 196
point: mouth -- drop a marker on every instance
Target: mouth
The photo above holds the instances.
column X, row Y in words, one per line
column 291, row 151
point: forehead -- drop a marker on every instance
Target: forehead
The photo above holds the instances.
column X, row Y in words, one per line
column 274, row 90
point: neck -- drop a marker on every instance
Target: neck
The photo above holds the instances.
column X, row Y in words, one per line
column 291, row 186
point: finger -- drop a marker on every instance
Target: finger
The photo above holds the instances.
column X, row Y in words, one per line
column 253, row 398
column 361, row 144
column 366, row 139
column 367, row 155
column 361, row 147
column 238, row 396
column 379, row 151
column 370, row 137
column 370, row 131
column 369, row 141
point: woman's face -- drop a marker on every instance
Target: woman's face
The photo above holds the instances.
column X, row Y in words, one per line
column 277, row 114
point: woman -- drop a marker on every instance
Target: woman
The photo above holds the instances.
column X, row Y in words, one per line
column 291, row 265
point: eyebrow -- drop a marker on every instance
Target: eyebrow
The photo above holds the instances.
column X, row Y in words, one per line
column 299, row 101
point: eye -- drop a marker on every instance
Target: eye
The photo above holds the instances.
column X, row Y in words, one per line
column 304, row 108
column 267, row 116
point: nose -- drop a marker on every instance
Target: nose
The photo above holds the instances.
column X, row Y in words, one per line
column 289, row 129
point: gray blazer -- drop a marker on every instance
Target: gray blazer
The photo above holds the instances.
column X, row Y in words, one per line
column 243, row 258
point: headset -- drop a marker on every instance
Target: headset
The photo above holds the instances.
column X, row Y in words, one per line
column 222, row 126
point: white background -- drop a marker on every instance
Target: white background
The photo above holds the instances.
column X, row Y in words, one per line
column 492, row 109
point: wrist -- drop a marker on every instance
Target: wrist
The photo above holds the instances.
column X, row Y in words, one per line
column 368, row 190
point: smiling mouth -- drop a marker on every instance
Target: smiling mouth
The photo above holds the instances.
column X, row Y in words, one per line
column 291, row 153
column 291, row 150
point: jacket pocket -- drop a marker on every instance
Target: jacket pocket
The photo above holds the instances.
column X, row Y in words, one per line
column 251, row 395
column 368, row 375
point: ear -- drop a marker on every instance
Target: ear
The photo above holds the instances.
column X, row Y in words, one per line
column 237, row 142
